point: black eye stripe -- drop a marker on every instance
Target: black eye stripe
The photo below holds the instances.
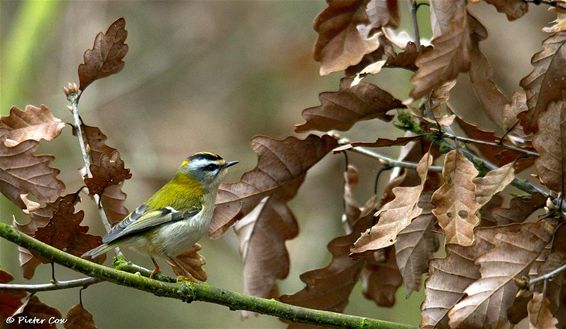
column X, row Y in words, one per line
column 211, row 167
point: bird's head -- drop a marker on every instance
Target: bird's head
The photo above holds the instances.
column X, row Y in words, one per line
column 206, row 168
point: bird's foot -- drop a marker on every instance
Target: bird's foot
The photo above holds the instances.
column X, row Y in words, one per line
column 186, row 278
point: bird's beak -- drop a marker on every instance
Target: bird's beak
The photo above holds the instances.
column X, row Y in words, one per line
column 230, row 164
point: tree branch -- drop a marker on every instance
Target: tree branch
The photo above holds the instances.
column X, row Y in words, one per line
column 188, row 291
column 505, row 146
column 57, row 285
column 548, row 275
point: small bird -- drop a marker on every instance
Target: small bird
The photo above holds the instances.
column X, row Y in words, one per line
column 172, row 220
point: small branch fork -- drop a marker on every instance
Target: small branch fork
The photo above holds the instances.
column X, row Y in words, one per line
column 57, row 285
column 548, row 276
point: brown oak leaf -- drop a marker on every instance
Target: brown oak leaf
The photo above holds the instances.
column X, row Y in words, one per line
column 34, row 123
column 547, row 82
column 540, row 316
column 10, row 300
column 79, row 318
column 280, row 171
column 512, row 8
column 455, row 201
column 493, row 182
column 550, row 142
column 192, row 263
column 381, row 277
column 33, row 308
column 340, row 43
column 105, row 57
column 342, row 109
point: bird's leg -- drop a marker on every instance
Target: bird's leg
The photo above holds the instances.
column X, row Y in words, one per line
column 156, row 269
column 186, row 275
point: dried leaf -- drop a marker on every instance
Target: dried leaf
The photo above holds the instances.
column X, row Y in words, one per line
column 34, row 123
column 515, row 250
column 58, row 225
column 79, row 318
column 550, row 142
column 451, row 46
column 108, row 172
column 384, row 142
column 10, row 300
column 373, row 68
column 511, row 111
column 493, row 182
column 340, row 43
column 22, row 172
column 560, row 21
column 455, row 203
column 192, row 263
column 540, row 316
column 351, row 209
column 341, row 110
column 281, row 169
column 383, row 13
column 449, row 277
column 512, row 8
column 545, row 84
column 395, row 215
column 488, row 93
column 35, row 309
column 415, row 245
column 262, row 234
column 329, row 288
column 518, row 211
column 381, row 277
column 105, row 57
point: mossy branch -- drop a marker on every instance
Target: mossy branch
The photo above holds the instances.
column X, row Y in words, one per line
column 188, row 291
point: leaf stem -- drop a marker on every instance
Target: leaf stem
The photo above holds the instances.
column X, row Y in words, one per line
column 188, row 291
column 58, row 285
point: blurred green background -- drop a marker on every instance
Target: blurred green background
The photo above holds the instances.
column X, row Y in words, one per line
column 209, row 75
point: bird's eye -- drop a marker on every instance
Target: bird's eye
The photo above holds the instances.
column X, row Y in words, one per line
column 211, row 167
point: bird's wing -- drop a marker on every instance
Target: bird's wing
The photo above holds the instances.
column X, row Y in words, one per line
column 142, row 219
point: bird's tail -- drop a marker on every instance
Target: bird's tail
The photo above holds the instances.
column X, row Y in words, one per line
column 93, row 253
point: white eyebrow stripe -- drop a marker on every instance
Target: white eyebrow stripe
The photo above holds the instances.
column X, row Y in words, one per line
column 199, row 163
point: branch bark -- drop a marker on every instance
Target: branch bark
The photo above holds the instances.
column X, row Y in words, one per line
column 188, row 291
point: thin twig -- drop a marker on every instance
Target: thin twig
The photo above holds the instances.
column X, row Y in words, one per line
column 506, row 146
column 73, row 98
column 548, row 275
column 58, row 285
column 413, row 7
column 384, row 159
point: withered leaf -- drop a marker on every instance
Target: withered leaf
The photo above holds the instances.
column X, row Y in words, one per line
column 384, row 142
column 540, row 316
column 451, row 46
column 455, row 201
column 281, row 169
column 546, row 83
column 515, row 250
column 35, row 309
column 550, row 142
column 58, row 225
column 192, row 263
column 512, row 8
column 395, row 215
column 34, row 123
column 383, row 13
column 560, row 21
column 511, row 111
column 105, row 57
column 340, row 43
column 329, row 288
column 10, row 300
column 381, row 277
column 351, row 210
column 22, row 172
column 342, row 109
column 415, row 245
column 108, row 172
column 493, row 182
column 262, row 234
column 519, row 209
column 79, row 318
column 488, row 93
column 449, row 277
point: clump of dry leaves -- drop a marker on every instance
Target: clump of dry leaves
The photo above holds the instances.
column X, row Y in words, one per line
column 496, row 246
